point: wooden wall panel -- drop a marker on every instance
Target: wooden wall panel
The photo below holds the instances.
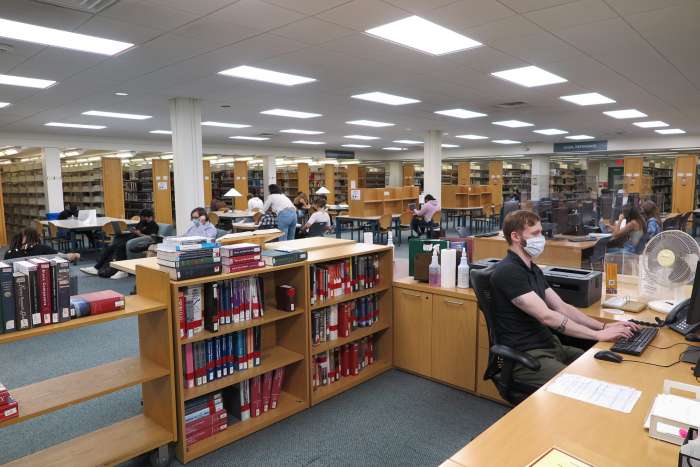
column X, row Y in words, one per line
column 206, row 169
column 353, row 179
column 684, row 183
column 162, row 191
column 463, row 173
column 633, row 173
column 409, row 174
column 303, row 178
column 240, row 183
column 113, row 187
column 3, row 229
column 329, row 182
column 496, row 182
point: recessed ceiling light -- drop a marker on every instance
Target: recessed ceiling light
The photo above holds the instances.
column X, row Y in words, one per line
column 505, row 141
column 471, row 137
column 225, row 125
column 161, row 132
column 512, row 123
column 11, row 80
column 579, row 137
column 268, row 76
column 407, row 141
column 529, row 76
column 423, row 35
column 371, row 123
column 302, row 132
column 362, row 137
column 550, row 132
column 652, row 124
column 289, row 113
column 358, row 146
column 76, row 125
column 100, row 113
column 303, row 141
column 670, row 131
column 393, row 148
column 57, row 38
column 4, row 104
column 121, row 94
column 589, row 98
column 626, row 113
column 384, row 98
column 448, row 146
column 250, row 138
column 460, row 113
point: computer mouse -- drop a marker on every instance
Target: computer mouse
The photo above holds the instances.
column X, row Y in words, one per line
column 609, row 356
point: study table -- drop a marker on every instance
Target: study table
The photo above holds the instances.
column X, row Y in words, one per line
column 235, row 214
column 372, row 221
column 560, row 252
column 73, row 226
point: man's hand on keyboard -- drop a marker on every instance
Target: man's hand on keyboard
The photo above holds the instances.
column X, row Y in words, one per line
column 613, row 332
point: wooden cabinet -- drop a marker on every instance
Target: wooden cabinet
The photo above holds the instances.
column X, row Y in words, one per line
column 454, row 341
column 412, row 322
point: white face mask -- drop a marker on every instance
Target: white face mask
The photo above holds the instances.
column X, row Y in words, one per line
column 534, row 246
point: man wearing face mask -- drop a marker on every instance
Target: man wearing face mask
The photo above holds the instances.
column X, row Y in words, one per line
column 527, row 309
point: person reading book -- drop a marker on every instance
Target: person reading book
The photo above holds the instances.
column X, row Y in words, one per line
column 423, row 217
column 200, row 227
column 320, row 216
column 27, row 243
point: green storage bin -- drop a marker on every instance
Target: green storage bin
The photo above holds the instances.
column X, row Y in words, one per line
column 418, row 245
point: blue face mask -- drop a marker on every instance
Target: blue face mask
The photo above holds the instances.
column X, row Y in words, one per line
column 195, row 222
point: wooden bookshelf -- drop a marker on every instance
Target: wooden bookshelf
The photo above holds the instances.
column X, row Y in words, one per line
column 255, row 181
column 162, row 191
column 221, row 179
column 206, row 175
column 138, row 188
column 467, row 196
column 341, row 184
column 23, row 194
column 152, row 369
column 380, row 201
column 329, row 182
column 684, row 171
column 82, row 185
column 372, row 177
column 449, row 174
column 240, row 183
column 113, row 187
column 409, row 174
column 661, row 184
column 288, row 180
column 516, row 176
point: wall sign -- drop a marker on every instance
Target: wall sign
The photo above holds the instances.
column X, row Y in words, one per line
column 337, row 154
column 579, row 146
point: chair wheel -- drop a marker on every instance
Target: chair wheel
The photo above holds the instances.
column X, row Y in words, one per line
column 161, row 457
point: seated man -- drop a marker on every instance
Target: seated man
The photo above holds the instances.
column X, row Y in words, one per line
column 117, row 250
column 423, row 216
column 268, row 220
column 526, row 309
column 319, row 216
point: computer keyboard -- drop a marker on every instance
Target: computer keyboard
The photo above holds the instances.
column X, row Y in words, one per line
column 638, row 342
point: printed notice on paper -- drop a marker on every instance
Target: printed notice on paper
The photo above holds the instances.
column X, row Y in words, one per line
column 596, row 392
column 556, row 458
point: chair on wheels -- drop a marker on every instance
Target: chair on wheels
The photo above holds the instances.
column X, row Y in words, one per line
column 502, row 359
column 671, row 223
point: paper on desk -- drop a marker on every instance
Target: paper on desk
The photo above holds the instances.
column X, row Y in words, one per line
column 596, row 392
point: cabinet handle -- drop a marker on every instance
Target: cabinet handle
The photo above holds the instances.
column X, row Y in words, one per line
column 411, row 294
column 454, row 302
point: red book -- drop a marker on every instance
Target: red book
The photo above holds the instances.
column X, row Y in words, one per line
column 345, row 360
column 206, row 432
column 276, row 390
column 44, row 289
column 9, row 410
column 266, row 391
column 189, row 366
column 4, row 394
column 182, row 304
column 243, row 266
column 355, row 359
column 255, row 396
column 229, row 260
column 103, row 301
column 206, row 422
column 250, row 347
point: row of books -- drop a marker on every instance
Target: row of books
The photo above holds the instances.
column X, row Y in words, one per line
column 337, row 278
column 241, row 257
column 189, row 257
column 217, row 358
column 9, row 407
column 204, row 417
column 36, row 292
column 344, row 361
column 330, row 323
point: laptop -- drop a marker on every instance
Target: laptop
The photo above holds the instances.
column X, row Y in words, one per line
column 87, row 215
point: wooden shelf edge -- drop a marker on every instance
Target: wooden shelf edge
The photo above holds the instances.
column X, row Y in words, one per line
column 326, row 392
column 355, row 335
column 234, row 275
column 270, row 316
column 350, row 296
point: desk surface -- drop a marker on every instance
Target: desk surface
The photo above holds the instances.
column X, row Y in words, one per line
column 235, row 214
column 129, row 265
column 309, row 244
column 73, row 224
column 550, row 243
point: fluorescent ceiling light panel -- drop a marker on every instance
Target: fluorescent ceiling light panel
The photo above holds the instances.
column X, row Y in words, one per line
column 550, row 132
column 371, row 123
column 362, row 137
column 393, row 148
column 449, row 146
column 652, row 124
column 303, row 141
column 121, row 94
column 161, row 132
column 460, row 113
column 670, row 131
column 250, row 138
column 423, row 35
column 289, row 113
column 76, row 125
column 512, row 123
column 100, row 113
column 471, row 137
column 11, row 80
column 625, row 113
column 267, row 76
column 384, row 98
column 57, row 38
column 4, row 104
column 358, row 146
column 407, row 141
column 589, row 98
column 577, row 137
column 225, row 125
column 505, row 141
column 302, row 132
column 529, row 76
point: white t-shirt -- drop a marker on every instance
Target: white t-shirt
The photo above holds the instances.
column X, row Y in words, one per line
column 318, row 217
column 255, row 203
column 278, row 203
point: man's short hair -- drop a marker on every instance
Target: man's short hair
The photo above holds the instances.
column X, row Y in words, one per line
column 320, row 201
column 517, row 221
column 146, row 212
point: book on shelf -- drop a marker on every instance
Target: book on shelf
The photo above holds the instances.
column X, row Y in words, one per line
column 189, row 257
column 204, row 417
column 9, row 407
column 103, row 301
column 286, row 296
column 8, row 298
column 31, row 299
column 335, row 321
column 281, row 257
column 255, row 396
column 344, row 361
column 338, row 278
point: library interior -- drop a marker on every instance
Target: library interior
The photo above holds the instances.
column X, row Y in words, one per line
column 349, row 232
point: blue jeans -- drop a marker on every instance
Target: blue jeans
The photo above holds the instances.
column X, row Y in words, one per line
column 287, row 223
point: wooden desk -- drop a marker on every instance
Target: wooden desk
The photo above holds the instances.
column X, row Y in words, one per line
column 235, row 214
column 244, row 226
column 251, row 237
column 559, row 252
column 309, row 244
column 74, row 225
column 129, row 265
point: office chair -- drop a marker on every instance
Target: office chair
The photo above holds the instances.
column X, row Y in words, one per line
column 502, row 358
column 597, row 258
column 317, row 229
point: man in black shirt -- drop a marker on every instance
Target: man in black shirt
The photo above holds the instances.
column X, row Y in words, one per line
column 117, row 250
column 525, row 307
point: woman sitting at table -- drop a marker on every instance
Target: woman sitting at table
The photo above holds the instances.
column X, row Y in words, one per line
column 423, row 217
column 27, row 243
column 628, row 231
column 651, row 214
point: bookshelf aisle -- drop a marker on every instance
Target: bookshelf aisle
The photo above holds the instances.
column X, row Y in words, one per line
column 287, row 179
column 449, row 174
column 516, row 175
column 372, row 177
column 479, row 173
column 82, row 185
column 341, row 184
column 317, row 179
column 661, row 174
column 255, row 179
column 221, row 179
column 23, row 194
column 138, row 188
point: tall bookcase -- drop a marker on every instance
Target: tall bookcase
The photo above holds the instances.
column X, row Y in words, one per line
column 221, row 179
column 82, row 185
column 152, row 368
column 255, row 180
column 661, row 183
column 516, row 175
column 478, row 174
column 372, row 177
column 449, row 174
column 288, row 180
column 138, row 188
column 341, row 184
column 382, row 330
column 23, row 194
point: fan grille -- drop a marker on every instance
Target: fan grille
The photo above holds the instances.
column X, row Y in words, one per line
column 681, row 248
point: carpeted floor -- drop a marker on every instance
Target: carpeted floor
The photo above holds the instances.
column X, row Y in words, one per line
column 394, row 419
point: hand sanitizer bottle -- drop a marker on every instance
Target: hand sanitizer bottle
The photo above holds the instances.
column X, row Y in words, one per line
column 434, row 269
column 463, row 271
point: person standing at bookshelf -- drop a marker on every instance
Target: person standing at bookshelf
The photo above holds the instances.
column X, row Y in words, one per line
column 285, row 210
column 200, row 227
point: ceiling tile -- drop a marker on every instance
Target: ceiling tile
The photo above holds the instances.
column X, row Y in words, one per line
column 118, row 30
column 216, row 30
column 42, row 14
column 513, row 26
column 310, row 7
column 56, row 64
column 572, row 14
column 487, row 60
column 257, row 14
column 419, row 7
column 627, row 7
column 540, row 48
column 468, row 13
column 523, row 6
column 148, row 14
column 313, row 31
column 363, row 14
column 198, row 7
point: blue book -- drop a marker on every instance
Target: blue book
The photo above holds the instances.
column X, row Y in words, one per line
column 79, row 307
column 241, row 355
column 232, row 365
column 211, row 361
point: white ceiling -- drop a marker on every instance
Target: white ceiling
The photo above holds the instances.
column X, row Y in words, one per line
column 642, row 53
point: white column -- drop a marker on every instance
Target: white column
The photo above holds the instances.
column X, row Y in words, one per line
column 185, row 123
column 539, row 177
column 432, row 164
column 395, row 173
column 269, row 173
column 53, row 181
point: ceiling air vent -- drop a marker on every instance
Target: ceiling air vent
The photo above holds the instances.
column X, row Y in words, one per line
column 88, row 6
column 266, row 135
column 512, row 105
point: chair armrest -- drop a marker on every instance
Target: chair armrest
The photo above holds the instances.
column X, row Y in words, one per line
column 516, row 356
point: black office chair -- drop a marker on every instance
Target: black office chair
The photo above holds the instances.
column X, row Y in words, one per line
column 501, row 358
column 317, row 229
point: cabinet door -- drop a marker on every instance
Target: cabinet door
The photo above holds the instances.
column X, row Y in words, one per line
column 454, row 341
column 413, row 315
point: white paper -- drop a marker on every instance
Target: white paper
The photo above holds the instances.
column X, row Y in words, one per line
column 596, row 392
column 448, row 268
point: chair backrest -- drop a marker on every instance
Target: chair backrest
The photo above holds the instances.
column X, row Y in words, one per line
column 437, row 217
column 114, row 228
column 586, row 211
column 481, row 282
column 213, row 218
column 385, row 222
column 53, row 230
column 317, row 229
column 671, row 223
column 598, row 253
column 39, row 227
column 136, row 218
column 256, row 217
column 405, row 218
column 683, row 222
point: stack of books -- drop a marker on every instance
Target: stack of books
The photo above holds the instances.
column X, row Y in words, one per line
column 189, row 257
column 8, row 406
column 330, row 323
column 281, row 257
column 347, row 360
column 204, row 417
column 255, row 396
column 241, row 257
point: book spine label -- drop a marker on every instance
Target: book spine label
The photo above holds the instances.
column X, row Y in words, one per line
column 23, row 315
column 8, row 300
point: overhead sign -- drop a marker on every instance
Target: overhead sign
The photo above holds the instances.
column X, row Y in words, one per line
column 581, row 146
column 336, row 154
